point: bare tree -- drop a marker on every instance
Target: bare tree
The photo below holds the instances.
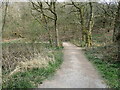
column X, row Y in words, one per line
column 44, row 17
column 51, row 7
column 81, row 12
column 86, row 32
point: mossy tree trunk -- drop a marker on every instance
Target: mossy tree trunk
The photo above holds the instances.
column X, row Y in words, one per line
column 81, row 9
column 52, row 9
column 83, row 27
column 90, row 26
column 86, row 32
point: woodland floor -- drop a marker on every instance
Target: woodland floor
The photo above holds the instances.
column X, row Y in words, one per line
column 75, row 72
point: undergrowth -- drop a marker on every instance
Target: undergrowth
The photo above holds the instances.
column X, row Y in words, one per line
column 31, row 78
column 108, row 68
column 103, row 54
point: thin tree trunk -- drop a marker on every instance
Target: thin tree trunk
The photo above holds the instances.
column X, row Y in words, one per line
column 46, row 23
column 55, row 24
column 118, row 28
column 47, row 29
column 4, row 18
column 116, row 32
column 118, row 50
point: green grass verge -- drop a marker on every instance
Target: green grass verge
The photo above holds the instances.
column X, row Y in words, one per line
column 103, row 57
column 32, row 78
column 108, row 70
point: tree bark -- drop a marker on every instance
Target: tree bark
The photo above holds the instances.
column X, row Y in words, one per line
column 118, row 28
column 90, row 26
column 55, row 24
column 46, row 25
column 4, row 17
column 116, row 33
column 84, row 31
column 44, row 18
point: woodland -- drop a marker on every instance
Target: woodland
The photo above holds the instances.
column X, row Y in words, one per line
column 33, row 33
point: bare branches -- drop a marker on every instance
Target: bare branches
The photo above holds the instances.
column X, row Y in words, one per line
column 51, row 7
column 39, row 7
column 107, row 10
column 75, row 5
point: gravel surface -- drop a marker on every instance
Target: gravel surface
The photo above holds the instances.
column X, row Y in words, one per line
column 75, row 72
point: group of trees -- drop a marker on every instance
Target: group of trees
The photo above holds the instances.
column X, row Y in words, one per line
column 86, row 15
column 86, row 30
column 43, row 9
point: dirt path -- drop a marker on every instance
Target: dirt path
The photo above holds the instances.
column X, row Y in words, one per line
column 11, row 40
column 76, row 71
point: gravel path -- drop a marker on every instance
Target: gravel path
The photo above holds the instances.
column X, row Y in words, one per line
column 75, row 72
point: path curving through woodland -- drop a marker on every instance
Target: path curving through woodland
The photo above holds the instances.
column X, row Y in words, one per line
column 75, row 72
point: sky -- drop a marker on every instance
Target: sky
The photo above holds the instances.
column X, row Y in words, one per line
column 61, row 0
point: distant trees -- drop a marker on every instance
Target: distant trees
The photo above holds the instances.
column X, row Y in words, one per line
column 43, row 9
column 81, row 13
column 86, row 30
column 52, row 9
column 44, row 17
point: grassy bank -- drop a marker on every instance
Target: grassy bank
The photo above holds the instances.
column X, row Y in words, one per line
column 105, row 63
column 34, row 74
column 107, row 67
column 103, row 55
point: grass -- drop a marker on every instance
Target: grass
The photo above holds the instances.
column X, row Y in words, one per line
column 31, row 78
column 108, row 70
column 103, row 55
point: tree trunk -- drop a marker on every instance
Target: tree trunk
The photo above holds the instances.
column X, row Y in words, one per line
column 46, row 24
column 117, row 30
column 49, row 35
column 55, row 24
column 4, row 17
column 90, row 26
column 47, row 29
column 118, row 35
column 81, row 11
column 118, row 51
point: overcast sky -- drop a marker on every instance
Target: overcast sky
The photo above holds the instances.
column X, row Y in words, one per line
column 62, row 0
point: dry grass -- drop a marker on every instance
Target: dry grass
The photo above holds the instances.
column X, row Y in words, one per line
column 19, row 56
column 38, row 62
